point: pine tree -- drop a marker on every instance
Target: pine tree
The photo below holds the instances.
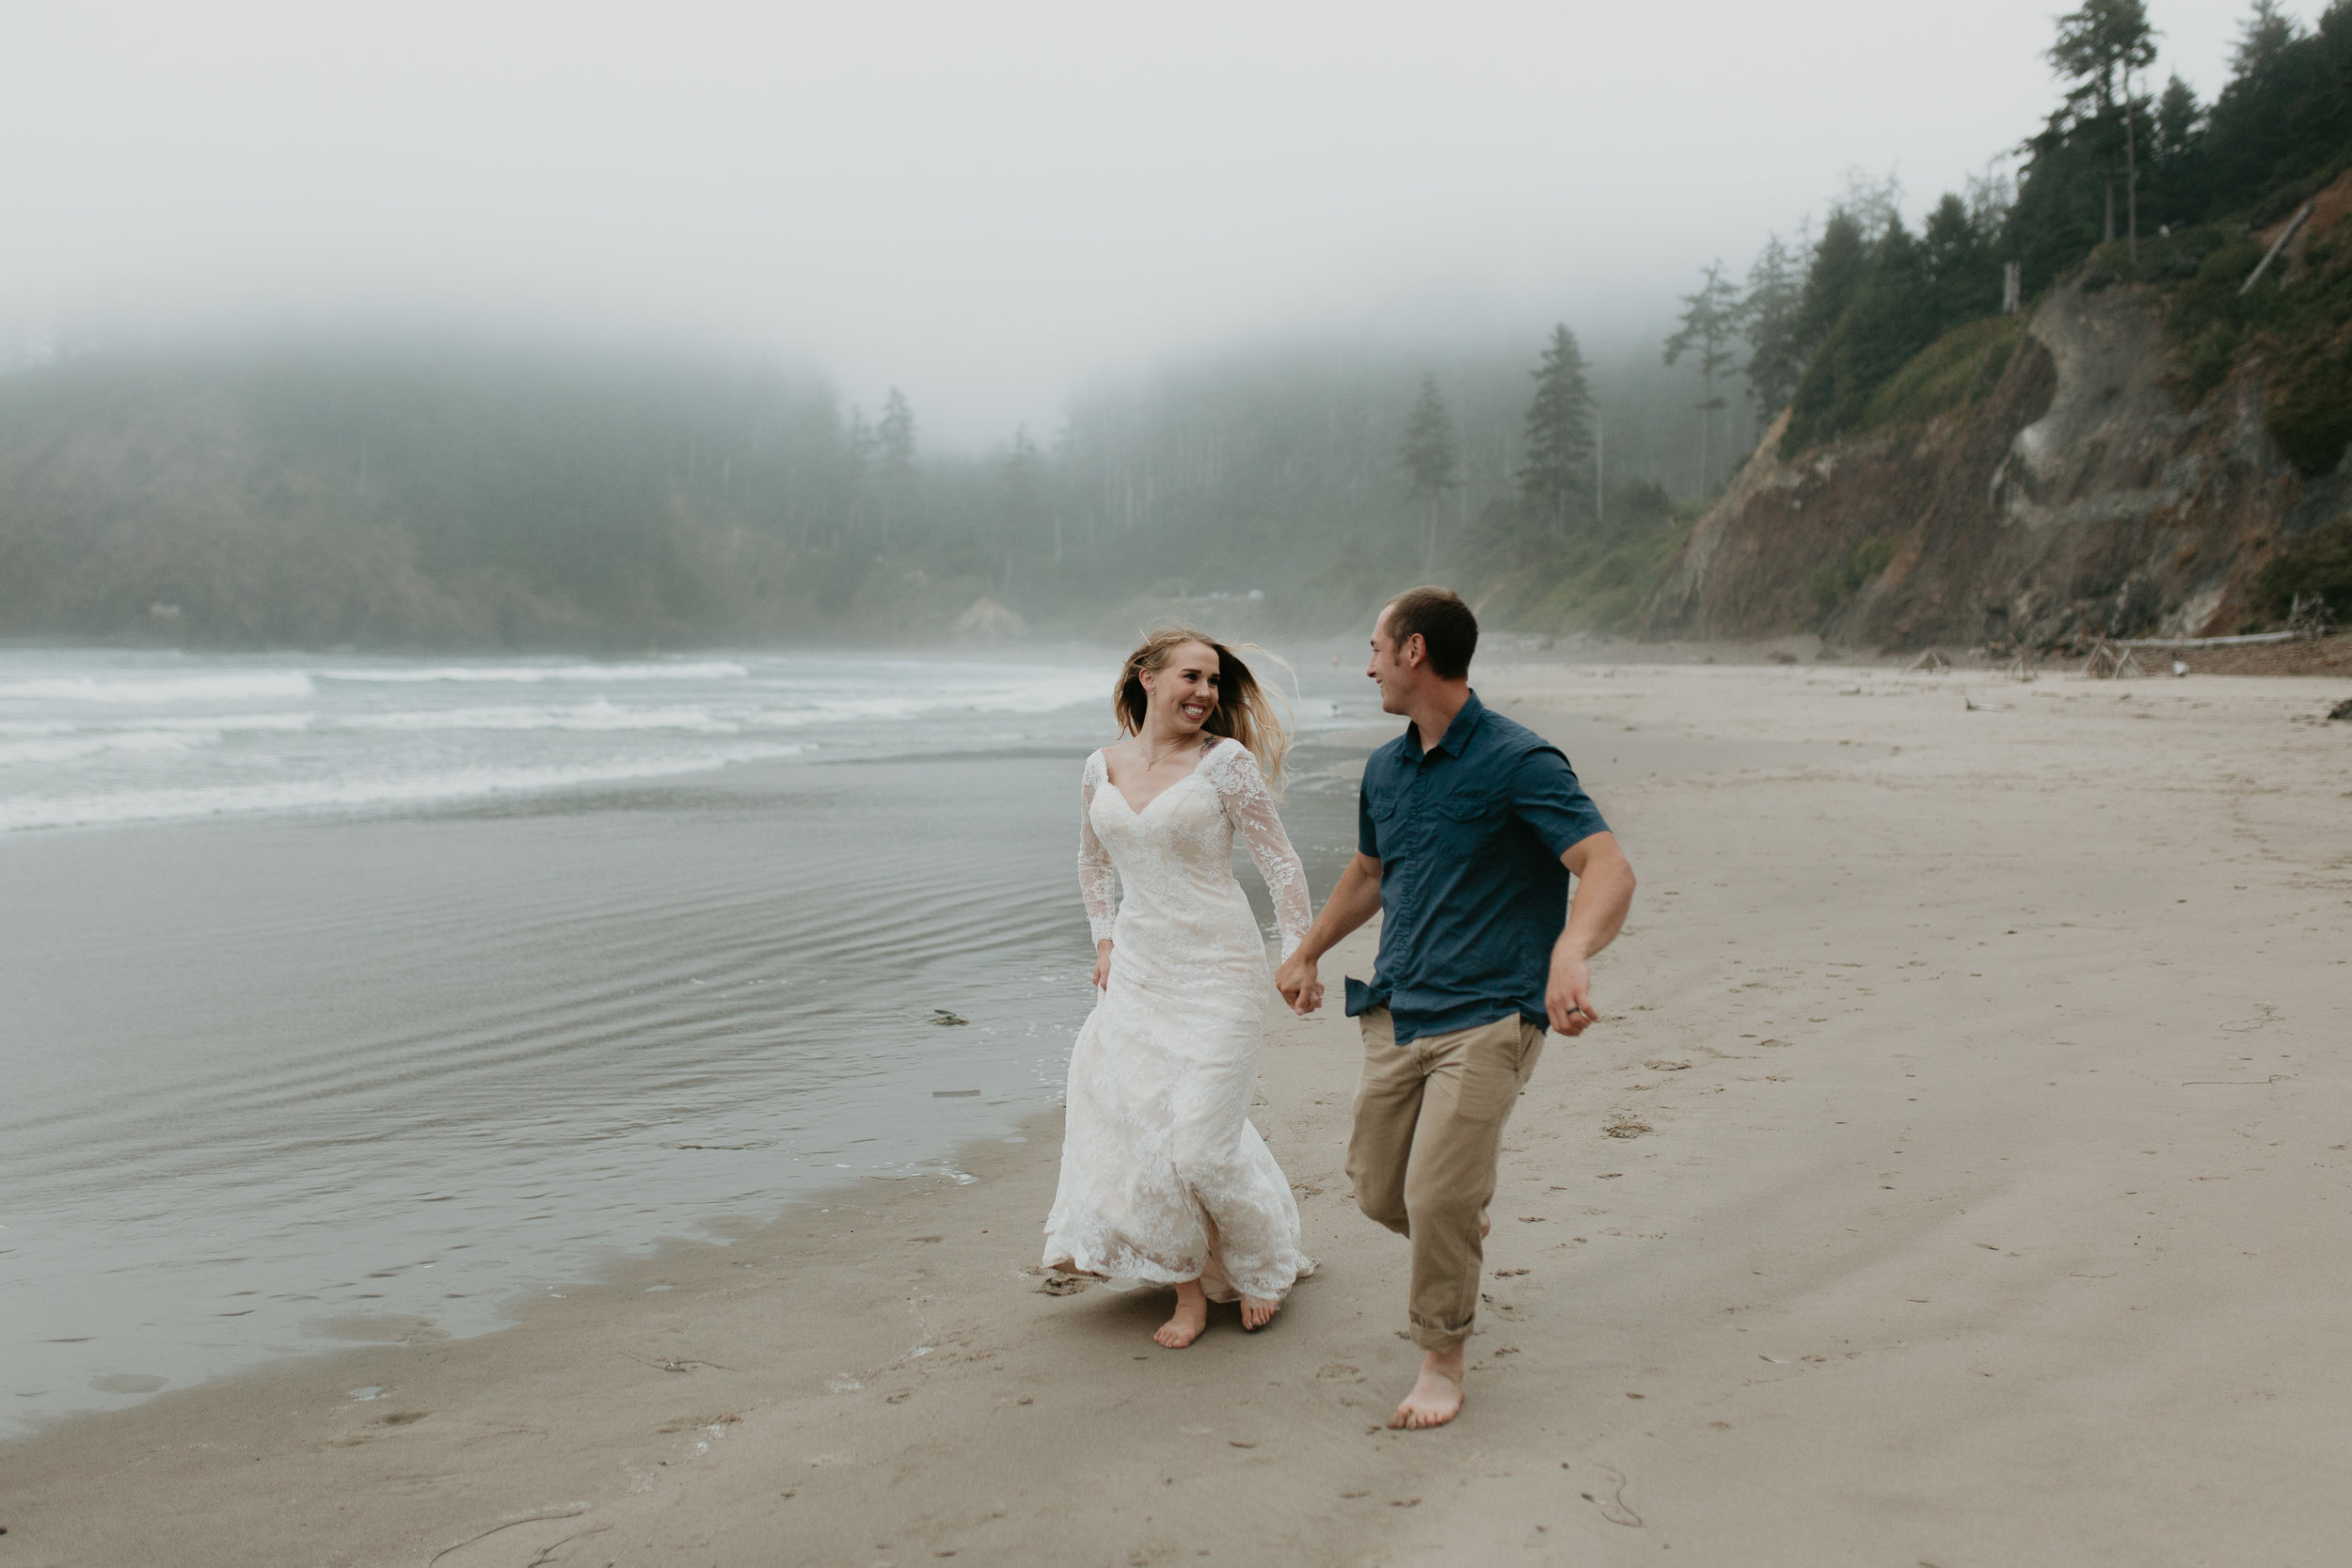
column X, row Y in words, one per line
column 1962, row 277
column 2268, row 31
column 1840, row 262
column 858, row 453
column 2179, row 118
column 2286, row 107
column 894, row 436
column 1769, row 315
column 2176, row 135
column 2098, row 49
column 1024, row 477
column 1430, row 462
column 1873, row 202
column 1899, row 310
column 893, row 445
column 1710, row 322
column 1557, row 475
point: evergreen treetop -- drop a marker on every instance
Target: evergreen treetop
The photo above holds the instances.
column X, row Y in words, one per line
column 2263, row 38
column 2100, row 46
column 1769, row 314
column 1430, row 460
column 1840, row 261
column 1711, row 323
column 894, row 435
column 1427, row 454
column 1556, row 479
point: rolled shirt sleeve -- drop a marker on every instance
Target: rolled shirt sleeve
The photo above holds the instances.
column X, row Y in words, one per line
column 1546, row 796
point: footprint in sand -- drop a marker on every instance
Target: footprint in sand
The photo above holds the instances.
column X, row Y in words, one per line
column 1612, row 1507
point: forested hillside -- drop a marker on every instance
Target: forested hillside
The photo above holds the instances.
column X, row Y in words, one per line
column 2177, row 186
column 456, row 492
column 2118, row 403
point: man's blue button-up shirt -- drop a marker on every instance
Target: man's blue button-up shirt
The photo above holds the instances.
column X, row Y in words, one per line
column 1473, row 893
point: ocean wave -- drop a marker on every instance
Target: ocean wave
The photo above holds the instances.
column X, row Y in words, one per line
column 64, row 740
column 164, row 805
column 233, row 723
column 75, row 747
column 1041, row 697
column 159, row 688
column 605, row 715
column 533, row 674
column 597, row 717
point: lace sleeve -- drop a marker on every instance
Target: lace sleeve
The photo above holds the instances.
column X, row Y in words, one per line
column 1094, row 861
column 1233, row 773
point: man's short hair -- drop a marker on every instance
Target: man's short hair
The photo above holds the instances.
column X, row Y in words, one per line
column 1447, row 629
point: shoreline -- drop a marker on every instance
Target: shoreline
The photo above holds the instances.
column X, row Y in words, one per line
column 2023, row 1203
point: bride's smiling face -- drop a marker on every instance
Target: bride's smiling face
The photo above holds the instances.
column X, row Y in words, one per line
column 1183, row 692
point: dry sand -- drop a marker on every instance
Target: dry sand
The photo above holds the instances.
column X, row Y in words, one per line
column 1959, row 1178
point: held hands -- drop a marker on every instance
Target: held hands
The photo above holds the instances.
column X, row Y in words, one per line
column 1103, row 963
column 1568, row 994
column 1296, row 981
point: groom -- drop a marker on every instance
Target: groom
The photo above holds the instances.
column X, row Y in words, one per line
column 1469, row 828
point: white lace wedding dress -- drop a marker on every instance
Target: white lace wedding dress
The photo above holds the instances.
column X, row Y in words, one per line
column 1163, row 1177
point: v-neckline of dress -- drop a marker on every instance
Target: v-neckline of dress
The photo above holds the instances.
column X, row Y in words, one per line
column 1133, row 810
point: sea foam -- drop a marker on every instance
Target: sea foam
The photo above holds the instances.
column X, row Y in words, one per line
column 77, row 748
column 595, row 718
column 164, row 805
column 533, row 674
column 156, row 689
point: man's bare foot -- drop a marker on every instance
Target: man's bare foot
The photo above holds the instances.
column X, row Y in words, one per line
column 1257, row 1311
column 1191, row 1317
column 1437, row 1396
column 1485, row 1225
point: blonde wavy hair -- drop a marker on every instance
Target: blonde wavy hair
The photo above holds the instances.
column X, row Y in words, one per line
column 1246, row 709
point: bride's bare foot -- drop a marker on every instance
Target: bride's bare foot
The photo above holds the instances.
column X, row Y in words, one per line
column 1191, row 1317
column 1257, row 1311
column 1437, row 1396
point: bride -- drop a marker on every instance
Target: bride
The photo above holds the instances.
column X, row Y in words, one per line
column 1163, row 1177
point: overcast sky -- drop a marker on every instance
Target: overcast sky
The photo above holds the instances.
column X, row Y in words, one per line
column 986, row 204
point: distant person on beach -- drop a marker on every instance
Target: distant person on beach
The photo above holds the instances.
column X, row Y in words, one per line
column 1469, row 827
column 1163, row 1177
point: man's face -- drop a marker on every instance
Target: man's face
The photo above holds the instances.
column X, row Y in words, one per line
column 1395, row 676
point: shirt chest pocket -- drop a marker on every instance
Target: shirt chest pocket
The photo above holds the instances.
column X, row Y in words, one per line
column 1469, row 820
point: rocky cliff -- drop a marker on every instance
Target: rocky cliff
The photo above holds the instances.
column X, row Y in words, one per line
column 2080, row 493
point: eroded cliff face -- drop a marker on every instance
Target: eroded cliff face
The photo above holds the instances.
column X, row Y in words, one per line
column 2076, row 497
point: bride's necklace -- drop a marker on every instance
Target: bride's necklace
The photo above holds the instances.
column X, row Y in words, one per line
column 1152, row 762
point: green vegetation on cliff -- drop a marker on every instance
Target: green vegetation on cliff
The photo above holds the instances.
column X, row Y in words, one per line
column 1913, row 292
column 1595, row 577
column 2122, row 185
column 1950, row 372
column 2319, row 562
column 2298, row 324
column 1838, row 579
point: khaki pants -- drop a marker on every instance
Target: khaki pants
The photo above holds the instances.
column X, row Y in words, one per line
column 1429, row 1119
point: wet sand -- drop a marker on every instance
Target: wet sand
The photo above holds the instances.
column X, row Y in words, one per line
column 1958, row 1177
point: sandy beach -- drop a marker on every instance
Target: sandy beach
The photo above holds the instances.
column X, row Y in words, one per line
column 1958, row 1179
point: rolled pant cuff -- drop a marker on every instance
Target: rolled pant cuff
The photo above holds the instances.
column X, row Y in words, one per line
column 1431, row 1337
